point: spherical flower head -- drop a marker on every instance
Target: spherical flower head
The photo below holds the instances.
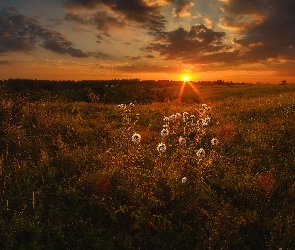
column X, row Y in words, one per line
column 204, row 105
column 181, row 140
column 184, row 180
column 121, row 106
column 214, row 142
column 166, row 119
column 204, row 124
column 161, row 147
column 136, row 138
column 207, row 119
column 185, row 118
column 131, row 105
column 185, row 114
column 192, row 117
column 201, row 153
column 164, row 132
column 172, row 117
column 178, row 116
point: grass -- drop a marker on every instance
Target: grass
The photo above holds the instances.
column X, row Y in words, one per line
column 71, row 177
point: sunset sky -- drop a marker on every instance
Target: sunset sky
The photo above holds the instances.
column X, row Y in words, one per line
column 233, row 40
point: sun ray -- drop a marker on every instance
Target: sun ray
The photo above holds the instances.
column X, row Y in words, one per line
column 194, row 88
column 181, row 92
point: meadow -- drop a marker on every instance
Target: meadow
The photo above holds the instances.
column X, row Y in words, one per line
column 211, row 169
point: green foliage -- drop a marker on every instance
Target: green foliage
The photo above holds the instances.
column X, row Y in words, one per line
column 89, row 176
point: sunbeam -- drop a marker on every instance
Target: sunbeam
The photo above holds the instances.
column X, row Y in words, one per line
column 194, row 88
column 181, row 92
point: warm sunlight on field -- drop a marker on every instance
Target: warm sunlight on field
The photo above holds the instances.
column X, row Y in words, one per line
column 146, row 165
column 186, row 78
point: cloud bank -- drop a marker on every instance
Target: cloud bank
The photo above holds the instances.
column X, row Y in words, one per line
column 21, row 34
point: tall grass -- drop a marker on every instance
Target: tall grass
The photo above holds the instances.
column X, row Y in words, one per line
column 74, row 176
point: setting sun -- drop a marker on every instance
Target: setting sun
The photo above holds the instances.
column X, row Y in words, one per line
column 185, row 78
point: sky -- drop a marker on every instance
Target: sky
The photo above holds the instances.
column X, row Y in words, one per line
column 205, row 40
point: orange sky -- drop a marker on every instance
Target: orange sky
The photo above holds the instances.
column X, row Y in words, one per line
column 240, row 41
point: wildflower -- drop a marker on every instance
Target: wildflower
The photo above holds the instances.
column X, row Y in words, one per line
column 207, row 119
column 181, row 140
column 137, row 116
column 161, row 147
column 184, row 118
column 192, row 117
column 131, row 105
column 207, row 108
column 204, row 124
column 165, row 126
column 178, row 116
column 164, row 132
column 185, row 114
column 184, row 180
column 172, row 117
column 200, row 121
column 214, row 141
column 136, row 138
column 121, row 106
column 201, row 153
column 204, row 105
column 166, row 119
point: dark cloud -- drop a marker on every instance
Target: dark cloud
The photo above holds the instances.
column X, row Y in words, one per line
column 2, row 62
column 150, row 56
column 133, row 58
column 245, row 7
column 76, row 18
column 182, row 44
column 101, row 19
column 138, row 11
column 100, row 55
column 56, row 21
column 21, row 34
column 271, row 34
column 100, row 39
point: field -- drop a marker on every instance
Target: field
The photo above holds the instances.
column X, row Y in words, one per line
column 78, row 175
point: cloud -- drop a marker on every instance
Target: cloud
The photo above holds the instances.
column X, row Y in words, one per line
column 182, row 44
column 101, row 19
column 21, row 34
column 100, row 55
column 208, row 22
column 237, row 23
column 181, row 8
column 133, row 58
column 138, row 11
column 245, row 7
column 270, row 34
column 2, row 62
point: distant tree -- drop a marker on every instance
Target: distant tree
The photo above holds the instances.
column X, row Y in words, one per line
column 284, row 82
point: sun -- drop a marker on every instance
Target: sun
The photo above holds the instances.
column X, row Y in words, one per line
column 185, row 78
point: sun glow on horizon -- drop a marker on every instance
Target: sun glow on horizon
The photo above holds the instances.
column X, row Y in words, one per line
column 185, row 78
